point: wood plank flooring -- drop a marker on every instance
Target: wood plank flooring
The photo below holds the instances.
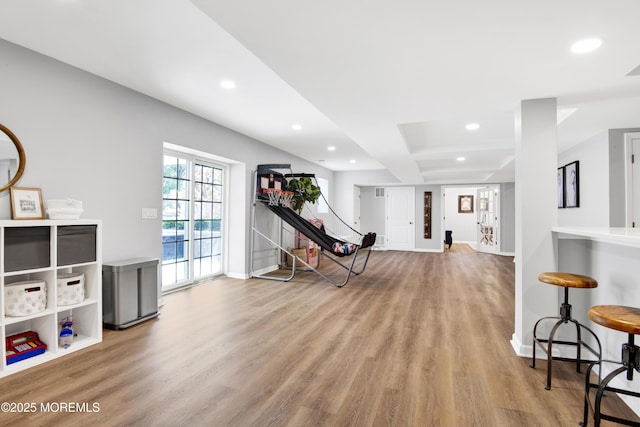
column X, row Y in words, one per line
column 419, row 339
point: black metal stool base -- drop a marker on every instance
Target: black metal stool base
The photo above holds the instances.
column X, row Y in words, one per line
column 547, row 344
column 630, row 362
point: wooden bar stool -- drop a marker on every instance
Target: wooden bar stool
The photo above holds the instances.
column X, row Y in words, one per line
column 624, row 319
column 566, row 280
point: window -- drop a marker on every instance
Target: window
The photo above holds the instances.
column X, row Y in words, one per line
column 191, row 220
column 207, row 215
column 176, row 184
column 324, row 189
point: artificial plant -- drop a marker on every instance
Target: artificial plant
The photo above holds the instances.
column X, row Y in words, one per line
column 303, row 191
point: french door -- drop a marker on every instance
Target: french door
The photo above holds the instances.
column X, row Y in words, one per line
column 488, row 219
column 192, row 201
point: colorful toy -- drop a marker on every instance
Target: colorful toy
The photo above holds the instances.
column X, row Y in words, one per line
column 23, row 346
column 343, row 248
column 66, row 332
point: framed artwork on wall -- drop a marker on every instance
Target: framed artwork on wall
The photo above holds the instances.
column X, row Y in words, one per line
column 26, row 203
column 561, row 190
column 572, row 184
column 427, row 214
column 465, row 204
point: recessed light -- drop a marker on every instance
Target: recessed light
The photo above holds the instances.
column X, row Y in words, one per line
column 460, row 159
column 228, row 84
column 472, row 126
column 586, row 45
column 352, row 161
column 296, row 127
column 331, row 148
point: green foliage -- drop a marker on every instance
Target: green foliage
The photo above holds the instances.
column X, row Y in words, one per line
column 303, row 191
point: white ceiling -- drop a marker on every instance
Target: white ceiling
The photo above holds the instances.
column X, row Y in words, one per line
column 389, row 84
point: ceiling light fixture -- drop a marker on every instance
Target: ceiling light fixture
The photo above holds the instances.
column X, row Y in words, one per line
column 586, row 45
column 296, row 127
column 228, row 84
column 472, row 126
column 331, row 148
column 352, row 161
column 460, row 159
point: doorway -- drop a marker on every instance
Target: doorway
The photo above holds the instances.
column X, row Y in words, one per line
column 632, row 199
column 192, row 207
column 488, row 219
column 477, row 225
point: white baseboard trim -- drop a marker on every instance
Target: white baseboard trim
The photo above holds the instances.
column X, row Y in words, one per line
column 265, row 270
column 437, row 250
column 520, row 349
column 427, row 250
column 233, row 275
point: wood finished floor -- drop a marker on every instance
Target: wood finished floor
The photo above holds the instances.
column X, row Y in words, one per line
column 419, row 339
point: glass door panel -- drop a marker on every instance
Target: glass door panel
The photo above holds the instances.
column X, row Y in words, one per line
column 175, row 220
column 487, row 219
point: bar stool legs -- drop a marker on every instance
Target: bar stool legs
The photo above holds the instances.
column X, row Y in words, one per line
column 630, row 362
column 565, row 317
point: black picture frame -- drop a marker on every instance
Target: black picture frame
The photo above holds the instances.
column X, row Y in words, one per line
column 572, row 184
column 561, row 188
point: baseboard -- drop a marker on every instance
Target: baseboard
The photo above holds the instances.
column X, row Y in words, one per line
column 265, row 270
column 233, row 275
column 427, row 250
column 520, row 349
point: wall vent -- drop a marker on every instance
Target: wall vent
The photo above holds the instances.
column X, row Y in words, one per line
column 379, row 240
column 379, row 192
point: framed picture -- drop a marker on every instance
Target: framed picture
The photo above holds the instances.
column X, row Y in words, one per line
column 572, row 185
column 26, row 203
column 465, row 204
column 561, row 189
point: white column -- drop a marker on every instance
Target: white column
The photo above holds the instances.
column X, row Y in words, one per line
column 536, row 212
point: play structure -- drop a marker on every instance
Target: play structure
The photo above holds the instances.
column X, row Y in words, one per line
column 284, row 195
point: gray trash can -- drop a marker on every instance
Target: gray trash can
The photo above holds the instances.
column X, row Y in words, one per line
column 129, row 292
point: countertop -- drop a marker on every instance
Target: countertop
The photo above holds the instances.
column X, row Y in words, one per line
column 615, row 235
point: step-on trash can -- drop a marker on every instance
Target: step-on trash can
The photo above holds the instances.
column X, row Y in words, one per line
column 129, row 292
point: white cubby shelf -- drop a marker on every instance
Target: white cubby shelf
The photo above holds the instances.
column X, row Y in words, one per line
column 41, row 250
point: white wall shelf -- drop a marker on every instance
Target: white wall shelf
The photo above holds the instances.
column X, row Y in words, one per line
column 38, row 245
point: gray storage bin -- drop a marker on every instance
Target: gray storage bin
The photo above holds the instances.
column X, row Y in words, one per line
column 129, row 292
column 76, row 244
column 26, row 248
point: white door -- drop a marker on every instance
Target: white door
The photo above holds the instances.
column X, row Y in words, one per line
column 488, row 219
column 632, row 142
column 400, row 218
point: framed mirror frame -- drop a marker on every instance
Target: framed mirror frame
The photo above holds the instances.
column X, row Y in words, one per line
column 21, row 158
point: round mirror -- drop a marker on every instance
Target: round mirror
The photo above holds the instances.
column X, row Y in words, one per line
column 12, row 158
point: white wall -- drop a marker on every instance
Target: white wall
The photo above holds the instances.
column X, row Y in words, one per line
column 436, row 242
column 96, row 141
column 371, row 211
column 507, row 218
column 463, row 225
column 346, row 180
column 593, row 156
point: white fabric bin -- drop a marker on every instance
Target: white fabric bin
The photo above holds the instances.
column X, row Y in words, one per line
column 25, row 298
